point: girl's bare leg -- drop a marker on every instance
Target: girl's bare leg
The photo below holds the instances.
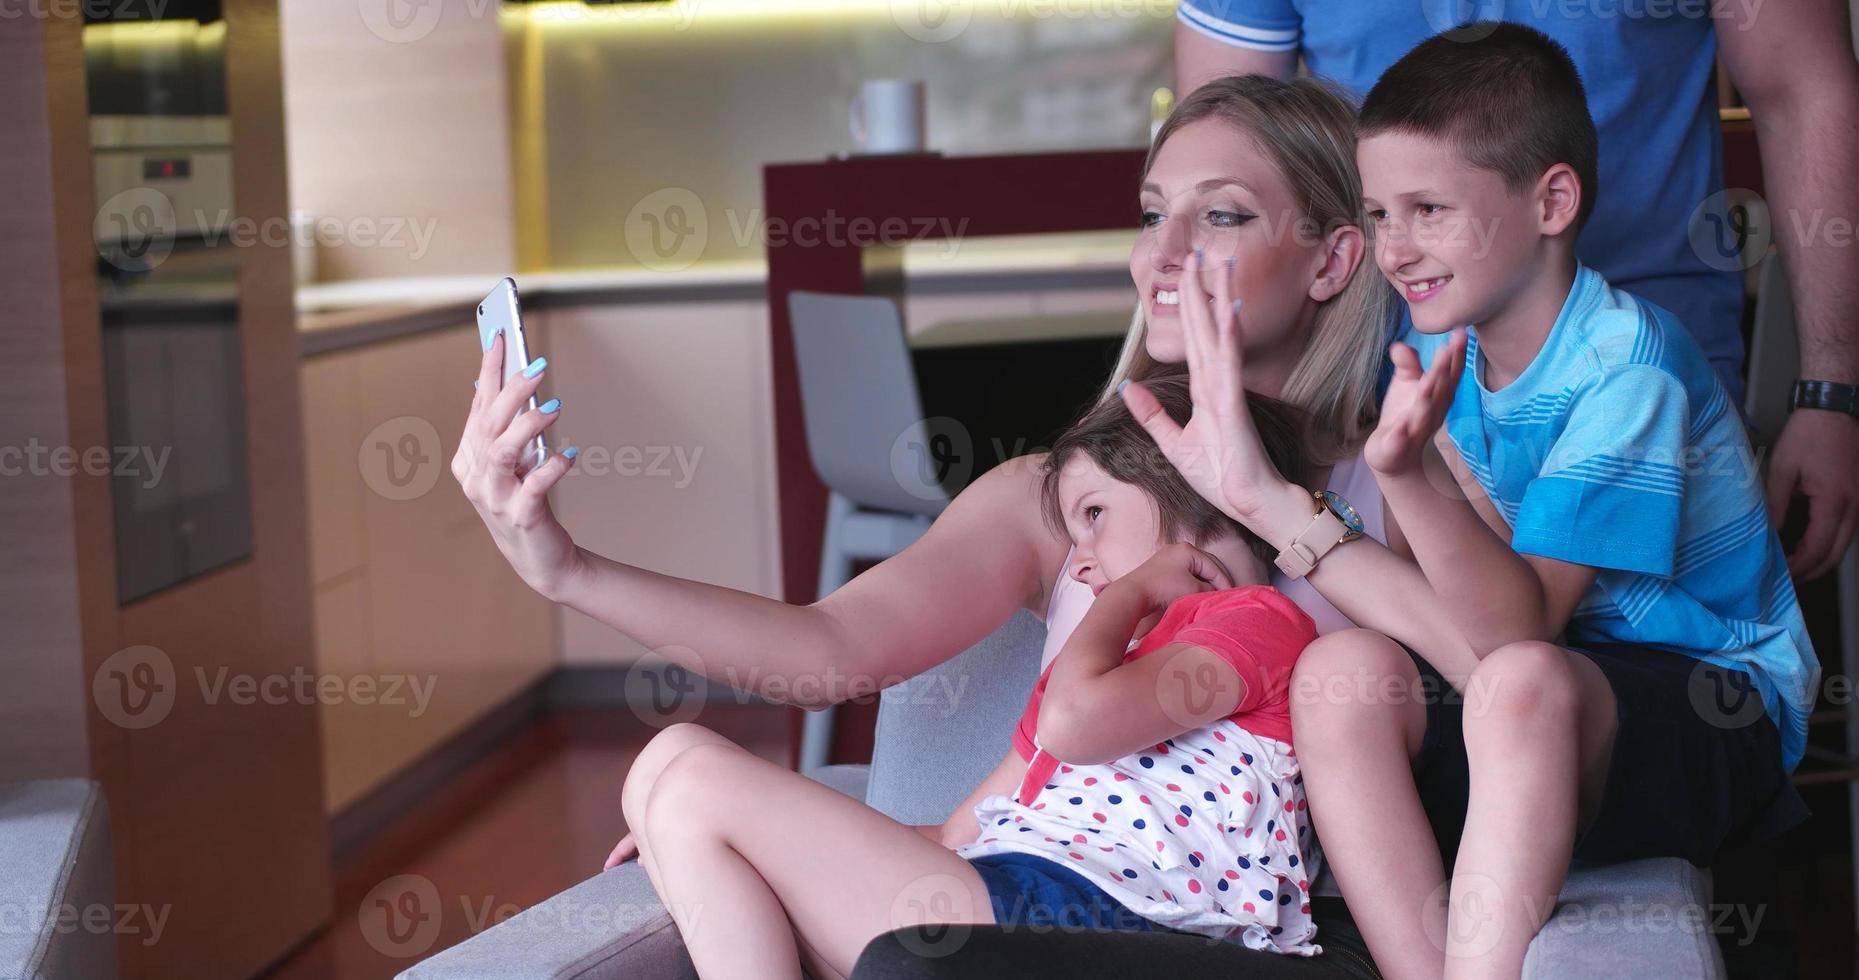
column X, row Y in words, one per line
column 1356, row 709
column 761, row 866
column 643, row 775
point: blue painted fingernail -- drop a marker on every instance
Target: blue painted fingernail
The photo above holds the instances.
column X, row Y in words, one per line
column 570, row 453
column 535, row 367
column 1200, row 257
column 1231, row 261
column 551, row 405
column 1125, row 383
column 488, row 339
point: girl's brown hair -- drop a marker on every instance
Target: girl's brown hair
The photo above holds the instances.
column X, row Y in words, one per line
column 1111, row 437
column 1307, row 128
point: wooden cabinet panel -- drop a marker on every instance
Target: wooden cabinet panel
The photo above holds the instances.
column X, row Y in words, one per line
column 332, row 435
column 669, row 404
column 432, row 609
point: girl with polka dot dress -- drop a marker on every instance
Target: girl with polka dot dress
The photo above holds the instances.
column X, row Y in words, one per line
column 1159, row 768
column 1152, row 784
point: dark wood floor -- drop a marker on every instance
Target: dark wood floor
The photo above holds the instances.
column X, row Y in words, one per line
column 530, row 820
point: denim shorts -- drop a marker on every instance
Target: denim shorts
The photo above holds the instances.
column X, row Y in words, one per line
column 1029, row 890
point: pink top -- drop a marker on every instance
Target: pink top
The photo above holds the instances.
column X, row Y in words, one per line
column 1206, row 832
column 1351, row 478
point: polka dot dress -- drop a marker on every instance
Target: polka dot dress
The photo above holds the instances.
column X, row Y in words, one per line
column 1207, row 832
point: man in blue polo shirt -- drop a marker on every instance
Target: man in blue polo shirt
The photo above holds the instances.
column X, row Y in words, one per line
column 1648, row 66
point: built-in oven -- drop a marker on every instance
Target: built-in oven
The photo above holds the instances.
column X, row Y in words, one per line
column 169, row 252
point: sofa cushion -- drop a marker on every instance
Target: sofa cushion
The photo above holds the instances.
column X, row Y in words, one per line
column 55, row 872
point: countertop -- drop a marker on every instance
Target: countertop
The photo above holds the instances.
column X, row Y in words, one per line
column 339, row 315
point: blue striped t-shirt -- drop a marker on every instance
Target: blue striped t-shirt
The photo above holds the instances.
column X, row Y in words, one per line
column 1618, row 448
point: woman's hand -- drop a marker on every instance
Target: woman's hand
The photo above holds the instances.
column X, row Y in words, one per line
column 515, row 506
column 1414, row 407
column 623, row 852
column 1173, row 571
column 1218, row 452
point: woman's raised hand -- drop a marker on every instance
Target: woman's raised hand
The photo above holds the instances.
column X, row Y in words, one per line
column 514, row 505
column 1218, row 452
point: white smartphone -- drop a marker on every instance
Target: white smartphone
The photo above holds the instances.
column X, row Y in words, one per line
column 499, row 313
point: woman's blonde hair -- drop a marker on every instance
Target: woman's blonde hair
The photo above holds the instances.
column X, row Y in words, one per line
column 1307, row 129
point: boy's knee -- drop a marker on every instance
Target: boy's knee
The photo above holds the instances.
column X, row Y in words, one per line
column 1518, row 688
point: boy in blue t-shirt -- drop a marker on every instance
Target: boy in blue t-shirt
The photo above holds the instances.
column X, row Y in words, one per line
column 1645, row 676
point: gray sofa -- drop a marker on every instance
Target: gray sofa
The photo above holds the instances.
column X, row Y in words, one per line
column 938, row 735
column 57, row 882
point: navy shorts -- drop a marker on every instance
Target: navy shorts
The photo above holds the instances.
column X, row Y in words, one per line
column 1696, row 764
column 1026, row 889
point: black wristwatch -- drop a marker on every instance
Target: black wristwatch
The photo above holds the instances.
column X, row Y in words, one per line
column 1828, row 395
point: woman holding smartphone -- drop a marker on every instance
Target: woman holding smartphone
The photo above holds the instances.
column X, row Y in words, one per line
column 1250, row 169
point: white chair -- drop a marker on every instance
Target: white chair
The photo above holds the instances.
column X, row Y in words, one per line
column 869, row 443
column 1774, row 359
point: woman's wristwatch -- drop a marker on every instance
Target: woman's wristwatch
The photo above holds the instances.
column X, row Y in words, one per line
column 1335, row 522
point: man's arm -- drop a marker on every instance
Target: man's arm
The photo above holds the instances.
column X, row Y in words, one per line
column 1200, row 59
column 1794, row 65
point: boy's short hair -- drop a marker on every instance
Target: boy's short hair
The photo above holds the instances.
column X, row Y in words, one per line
column 1507, row 96
column 1111, row 437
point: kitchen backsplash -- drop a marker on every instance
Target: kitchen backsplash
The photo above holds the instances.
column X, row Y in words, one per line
column 616, row 108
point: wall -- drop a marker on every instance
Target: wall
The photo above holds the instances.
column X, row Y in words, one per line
column 615, row 104
column 669, row 405
column 45, row 269
column 400, row 128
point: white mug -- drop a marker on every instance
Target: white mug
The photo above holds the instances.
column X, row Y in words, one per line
column 887, row 117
